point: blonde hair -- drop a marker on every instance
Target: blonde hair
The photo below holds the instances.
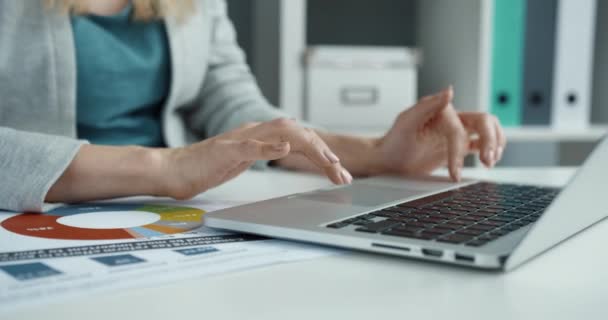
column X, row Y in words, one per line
column 142, row 9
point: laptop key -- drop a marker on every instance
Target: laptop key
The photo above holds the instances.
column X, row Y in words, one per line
column 450, row 226
column 419, row 213
column 378, row 226
column 498, row 233
column 404, row 219
column 400, row 233
column 508, row 216
column 384, row 214
column 476, row 243
column 470, row 208
column 511, row 227
column 471, row 218
column 484, row 213
column 416, row 224
column 460, row 212
column 337, row 225
column 444, row 216
column 481, row 227
column 438, row 231
column 520, row 223
column 394, row 209
column 407, row 228
column 492, row 223
column 362, row 222
column 432, row 220
column 470, row 232
column 462, row 222
column 499, row 219
column 425, row 235
column 431, row 199
column 455, row 238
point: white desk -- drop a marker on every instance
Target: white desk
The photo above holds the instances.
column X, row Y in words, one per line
column 568, row 282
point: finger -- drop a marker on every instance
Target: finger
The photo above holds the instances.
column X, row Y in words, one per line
column 308, row 143
column 430, row 106
column 252, row 150
column 485, row 127
column 248, row 125
column 233, row 173
column 436, row 95
column 502, row 139
column 317, row 151
column 458, row 143
column 474, row 146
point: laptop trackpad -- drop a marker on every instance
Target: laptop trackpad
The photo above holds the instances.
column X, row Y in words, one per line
column 361, row 195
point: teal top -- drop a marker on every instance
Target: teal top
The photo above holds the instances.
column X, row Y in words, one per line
column 123, row 77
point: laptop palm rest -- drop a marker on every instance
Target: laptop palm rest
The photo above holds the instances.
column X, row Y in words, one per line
column 360, row 195
column 312, row 209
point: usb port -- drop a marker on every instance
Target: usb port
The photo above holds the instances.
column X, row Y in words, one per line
column 464, row 258
column 432, row 253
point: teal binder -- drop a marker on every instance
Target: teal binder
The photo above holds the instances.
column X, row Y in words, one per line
column 508, row 40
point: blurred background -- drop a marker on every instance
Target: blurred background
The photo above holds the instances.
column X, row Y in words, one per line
column 351, row 65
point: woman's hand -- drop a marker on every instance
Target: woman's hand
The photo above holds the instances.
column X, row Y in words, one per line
column 432, row 134
column 102, row 172
column 427, row 136
column 196, row 168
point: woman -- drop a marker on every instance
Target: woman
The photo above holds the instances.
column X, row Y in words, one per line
column 161, row 91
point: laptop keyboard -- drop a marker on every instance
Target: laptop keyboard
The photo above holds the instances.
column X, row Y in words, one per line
column 473, row 215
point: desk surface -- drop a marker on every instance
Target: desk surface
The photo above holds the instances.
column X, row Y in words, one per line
column 568, row 282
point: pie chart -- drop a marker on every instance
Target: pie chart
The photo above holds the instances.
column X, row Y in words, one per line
column 77, row 222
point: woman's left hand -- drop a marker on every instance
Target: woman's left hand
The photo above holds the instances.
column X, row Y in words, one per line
column 432, row 134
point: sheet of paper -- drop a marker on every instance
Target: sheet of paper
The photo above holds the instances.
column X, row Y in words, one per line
column 137, row 242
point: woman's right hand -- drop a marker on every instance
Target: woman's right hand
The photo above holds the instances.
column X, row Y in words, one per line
column 197, row 168
column 102, row 172
column 193, row 169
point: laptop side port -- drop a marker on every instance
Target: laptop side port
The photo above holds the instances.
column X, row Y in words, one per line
column 388, row 246
column 432, row 253
column 464, row 258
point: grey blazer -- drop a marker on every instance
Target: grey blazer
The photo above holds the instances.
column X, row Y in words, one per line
column 212, row 91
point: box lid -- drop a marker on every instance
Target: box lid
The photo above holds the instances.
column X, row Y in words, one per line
column 361, row 57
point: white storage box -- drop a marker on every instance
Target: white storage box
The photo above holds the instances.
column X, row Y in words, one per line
column 359, row 88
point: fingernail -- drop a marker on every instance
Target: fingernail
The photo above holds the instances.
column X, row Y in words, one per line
column 346, row 176
column 280, row 146
column 499, row 153
column 449, row 90
column 331, row 157
column 490, row 157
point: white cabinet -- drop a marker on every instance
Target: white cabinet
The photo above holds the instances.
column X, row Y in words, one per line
column 350, row 87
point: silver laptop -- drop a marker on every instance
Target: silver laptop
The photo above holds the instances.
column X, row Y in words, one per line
column 474, row 223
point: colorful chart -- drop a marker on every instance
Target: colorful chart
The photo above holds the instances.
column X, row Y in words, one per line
column 171, row 220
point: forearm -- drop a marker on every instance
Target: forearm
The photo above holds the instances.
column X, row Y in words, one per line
column 102, row 172
column 356, row 154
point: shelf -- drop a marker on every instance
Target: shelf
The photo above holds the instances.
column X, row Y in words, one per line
column 520, row 134
column 544, row 134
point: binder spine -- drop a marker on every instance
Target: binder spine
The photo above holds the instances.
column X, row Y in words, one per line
column 573, row 63
column 507, row 60
column 539, row 56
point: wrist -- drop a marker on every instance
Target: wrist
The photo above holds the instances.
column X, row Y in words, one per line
column 359, row 155
column 373, row 158
column 152, row 169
